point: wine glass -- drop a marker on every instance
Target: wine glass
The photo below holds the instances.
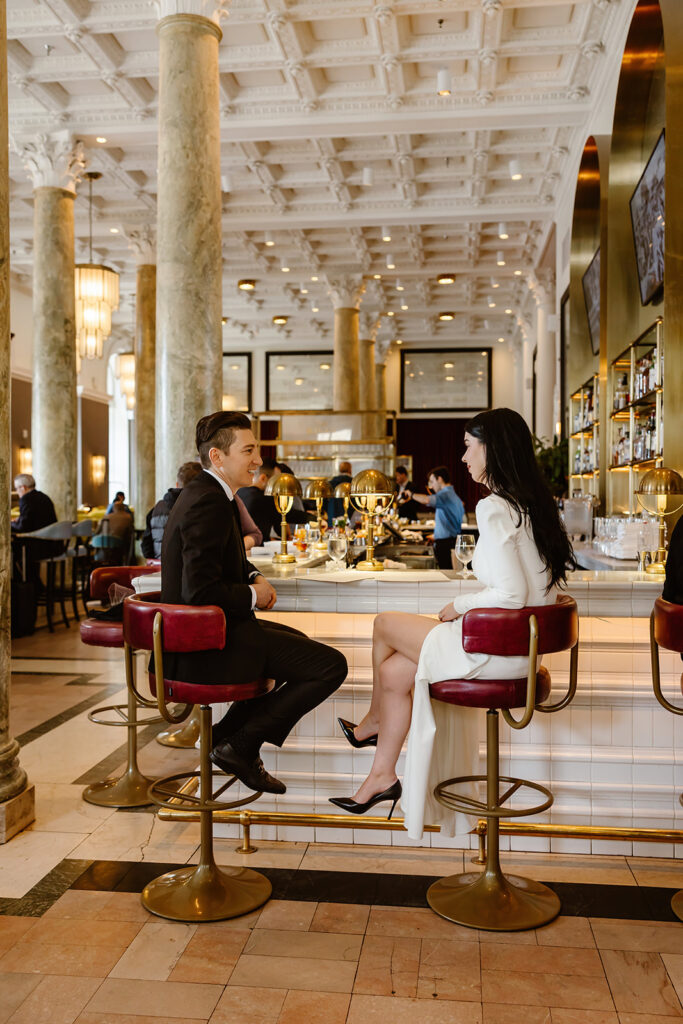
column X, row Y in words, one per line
column 464, row 550
column 337, row 546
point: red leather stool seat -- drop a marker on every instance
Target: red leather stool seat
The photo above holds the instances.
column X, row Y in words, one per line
column 211, row 693
column 668, row 625
column 490, row 693
column 97, row 633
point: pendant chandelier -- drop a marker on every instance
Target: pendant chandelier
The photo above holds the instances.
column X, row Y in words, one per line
column 125, row 371
column 97, row 295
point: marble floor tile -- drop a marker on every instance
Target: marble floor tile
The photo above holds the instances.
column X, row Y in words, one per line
column 132, row 1018
column 568, row 932
column 247, row 1005
column 165, row 999
column 29, row 857
column 14, row 989
column 314, row 945
column 66, row 958
column 566, row 867
column 366, row 1009
column 647, row 1018
column 585, row 993
column 268, row 855
column 640, row 983
column 568, row 1016
column 514, row 938
column 211, row 954
column 314, row 1008
column 416, row 922
column 13, row 929
column 645, row 936
column 390, row 860
column 55, row 1000
column 350, row 918
column 544, row 960
column 60, row 807
column 289, row 915
column 295, row 972
column 154, row 952
column 674, row 968
column 449, row 969
column 389, row 966
column 657, row 871
column 503, row 1013
column 86, row 904
column 140, row 837
column 67, row 931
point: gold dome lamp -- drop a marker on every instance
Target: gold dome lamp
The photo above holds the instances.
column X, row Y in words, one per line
column 660, row 492
column 283, row 488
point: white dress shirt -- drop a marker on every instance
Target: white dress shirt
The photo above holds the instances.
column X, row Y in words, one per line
column 231, row 497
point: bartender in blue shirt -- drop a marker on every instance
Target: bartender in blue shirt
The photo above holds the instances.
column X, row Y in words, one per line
column 449, row 512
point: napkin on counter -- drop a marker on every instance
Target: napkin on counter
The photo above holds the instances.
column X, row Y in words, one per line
column 389, row 563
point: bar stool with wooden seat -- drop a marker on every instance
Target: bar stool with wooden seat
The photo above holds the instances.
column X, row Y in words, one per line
column 202, row 892
column 130, row 789
column 666, row 630
column 491, row 900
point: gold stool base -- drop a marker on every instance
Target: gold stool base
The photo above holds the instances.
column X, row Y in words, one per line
column 677, row 905
column 493, row 902
column 206, row 893
column 130, row 790
column 186, row 737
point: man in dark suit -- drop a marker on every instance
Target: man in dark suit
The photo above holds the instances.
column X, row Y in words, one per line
column 261, row 506
column 335, row 506
column 35, row 511
column 204, row 562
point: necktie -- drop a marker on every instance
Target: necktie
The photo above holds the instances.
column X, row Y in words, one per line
column 240, row 539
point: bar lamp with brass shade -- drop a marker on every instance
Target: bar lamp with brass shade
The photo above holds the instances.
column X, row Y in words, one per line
column 371, row 493
column 283, row 488
column 343, row 491
column 318, row 489
column 660, row 492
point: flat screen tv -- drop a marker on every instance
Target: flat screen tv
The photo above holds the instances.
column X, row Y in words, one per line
column 647, row 219
column 591, row 295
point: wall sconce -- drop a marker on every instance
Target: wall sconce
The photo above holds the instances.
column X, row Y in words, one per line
column 98, row 469
column 26, row 461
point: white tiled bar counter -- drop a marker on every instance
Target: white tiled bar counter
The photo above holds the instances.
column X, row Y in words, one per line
column 610, row 759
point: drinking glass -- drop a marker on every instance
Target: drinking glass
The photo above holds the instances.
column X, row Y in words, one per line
column 464, row 550
column 313, row 535
column 337, row 546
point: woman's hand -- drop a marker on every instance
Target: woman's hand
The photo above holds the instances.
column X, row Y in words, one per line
column 448, row 613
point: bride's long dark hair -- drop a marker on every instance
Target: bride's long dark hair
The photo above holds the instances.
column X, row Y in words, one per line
column 513, row 473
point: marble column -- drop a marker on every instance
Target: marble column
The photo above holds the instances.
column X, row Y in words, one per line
column 545, row 356
column 528, row 344
column 381, row 353
column 367, row 391
column 54, row 163
column 346, row 294
column 189, row 256
column 144, row 494
column 16, row 795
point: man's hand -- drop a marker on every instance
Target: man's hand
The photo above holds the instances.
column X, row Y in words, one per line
column 265, row 594
column 448, row 614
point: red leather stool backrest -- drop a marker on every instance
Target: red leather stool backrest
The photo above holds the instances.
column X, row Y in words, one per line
column 668, row 625
column 505, row 631
column 102, row 579
column 185, row 627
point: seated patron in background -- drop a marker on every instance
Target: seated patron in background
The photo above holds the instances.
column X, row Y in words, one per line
column 449, row 512
column 261, row 506
column 118, row 497
column 335, row 506
column 35, row 511
column 205, row 563
column 117, row 523
column 157, row 517
column 407, row 507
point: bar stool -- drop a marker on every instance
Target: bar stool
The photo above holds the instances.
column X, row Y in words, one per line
column 491, row 900
column 130, row 789
column 202, row 892
column 666, row 630
column 58, row 536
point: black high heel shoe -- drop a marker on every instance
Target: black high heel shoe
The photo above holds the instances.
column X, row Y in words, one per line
column 348, row 727
column 393, row 793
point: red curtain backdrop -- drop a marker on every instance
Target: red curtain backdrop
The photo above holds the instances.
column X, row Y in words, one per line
column 438, row 442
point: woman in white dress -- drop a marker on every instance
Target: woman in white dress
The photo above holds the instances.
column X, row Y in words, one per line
column 522, row 554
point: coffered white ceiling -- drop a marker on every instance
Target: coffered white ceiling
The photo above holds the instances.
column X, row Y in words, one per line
column 311, row 94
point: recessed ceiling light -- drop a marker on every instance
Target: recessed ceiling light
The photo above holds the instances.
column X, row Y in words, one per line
column 508, row 310
column 404, row 305
column 399, row 341
column 315, row 309
column 246, row 284
column 269, row 240
column 324, row 366
column 501, row 339
column 491, row 302
column 114, row 231
column 495, row 283
column 314, row 277
column 284, row 266
column 386, row 235
column 224, row 320
column 280, row 319
column 450, row 377
column 400, row 287
column 503, row 231
column 443, row 82
column 377, row 277
column 303, row 289
column 517, row 273
column 101, row 139
column 407, row 362
column 446, row 316
column 391, row 313
column 299, row 381
column 390, row 262
column 500, row 258
column 515, row 170
column 279, row 366
column 446, row 279
column 368, row 176
column 448, row 366
column 234, row 366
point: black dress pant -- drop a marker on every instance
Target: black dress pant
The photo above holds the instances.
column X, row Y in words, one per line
column 442, row 552
column 306, row 673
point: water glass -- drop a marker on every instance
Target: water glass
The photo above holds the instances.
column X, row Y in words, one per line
column 464, row 551
column 337, row 546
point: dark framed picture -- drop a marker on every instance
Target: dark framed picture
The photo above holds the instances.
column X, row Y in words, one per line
column 298, row 380
column 445, row 380
column 647, row 220
column 237, row 382
column 591, row 296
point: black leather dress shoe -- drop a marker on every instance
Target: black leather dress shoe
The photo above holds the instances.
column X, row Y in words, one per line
column 251, row 773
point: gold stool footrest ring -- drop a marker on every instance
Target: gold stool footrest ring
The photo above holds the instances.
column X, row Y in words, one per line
column 162, row 793
column 459, row 802
column 122, row 711
column 493, row 902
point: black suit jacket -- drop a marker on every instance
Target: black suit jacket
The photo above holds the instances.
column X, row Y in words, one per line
column 673, row 581
column 35, row 511
column 261, row 508
column 204, row 562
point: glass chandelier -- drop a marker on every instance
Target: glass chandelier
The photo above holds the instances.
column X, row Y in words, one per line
column 97, row 295
column 125, row 371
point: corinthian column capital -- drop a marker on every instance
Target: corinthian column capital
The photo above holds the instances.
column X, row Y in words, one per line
column 346, row 292
column 369, row 324
column 142, row 242
column 212, row 10
column 55, row 160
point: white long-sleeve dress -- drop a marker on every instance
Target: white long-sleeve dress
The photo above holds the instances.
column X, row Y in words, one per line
column 443, row 741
